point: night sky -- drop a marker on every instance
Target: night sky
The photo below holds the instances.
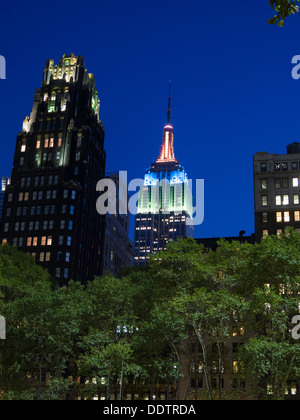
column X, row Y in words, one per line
column 232, row 90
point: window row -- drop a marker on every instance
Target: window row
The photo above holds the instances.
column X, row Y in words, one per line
column 49, row 143
column 51, row 124
column 279, row 183
column 282, row 217
column 39, row 180
column 39, row 195
column 281, row 200
column 280, row 166
column 37, row 210
column 43, row 241
column 286, row 216
column 279, row 231
column 35, row 225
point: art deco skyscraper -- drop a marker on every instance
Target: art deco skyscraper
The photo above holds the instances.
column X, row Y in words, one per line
column 50, row 207
column 165, row 204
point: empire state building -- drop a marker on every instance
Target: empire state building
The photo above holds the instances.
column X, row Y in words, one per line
column 165, row 204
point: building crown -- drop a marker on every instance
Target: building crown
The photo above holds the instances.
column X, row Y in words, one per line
column 167, row 149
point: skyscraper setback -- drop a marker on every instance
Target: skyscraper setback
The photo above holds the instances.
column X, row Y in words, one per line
column 49, row 208
column 165, row 205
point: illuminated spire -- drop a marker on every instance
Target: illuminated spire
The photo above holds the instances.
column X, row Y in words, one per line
column 169, row 107
column 167, row 149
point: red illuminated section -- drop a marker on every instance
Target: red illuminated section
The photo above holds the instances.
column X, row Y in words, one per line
column 167, row 149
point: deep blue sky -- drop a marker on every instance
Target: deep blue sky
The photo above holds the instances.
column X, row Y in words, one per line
column 232, row 90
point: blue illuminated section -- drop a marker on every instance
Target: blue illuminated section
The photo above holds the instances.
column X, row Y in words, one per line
column 178, row 176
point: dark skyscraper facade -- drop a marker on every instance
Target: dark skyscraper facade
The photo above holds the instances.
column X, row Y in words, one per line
column 50, row 207
column 118, row 249
column 165, row 205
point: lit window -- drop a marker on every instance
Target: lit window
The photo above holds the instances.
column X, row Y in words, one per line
column 295, row 182
column 46, row 143
column 278, row 200
column 297, row 216
column 59, row 142
column 42, row 257
column 235, row 367
column 35, row 241
column 43, row 240
column 277, row 183
column 48, row 256
column 279, row 232
column 51, row 142
column 265, row 232
column 49, row 240
column 296, row 199
column 29, row 241
column 23, row 148
column 279, row 217
column 286, row 216
column 264, row 184
column 285, row 200
column 264, row 200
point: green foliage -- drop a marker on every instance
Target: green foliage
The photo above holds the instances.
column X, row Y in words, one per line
column 283, row 8
column 82, row 341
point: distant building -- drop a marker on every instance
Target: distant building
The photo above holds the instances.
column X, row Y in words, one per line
column 117, row 249
column 5, row 182
column 211, row 244
column 50, row 206
column 165, row 204
column 277, row 191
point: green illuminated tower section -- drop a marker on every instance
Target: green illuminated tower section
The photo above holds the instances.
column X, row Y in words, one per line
column 49, row 207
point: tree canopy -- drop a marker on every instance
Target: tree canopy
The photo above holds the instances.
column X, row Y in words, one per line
column 155, row 325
